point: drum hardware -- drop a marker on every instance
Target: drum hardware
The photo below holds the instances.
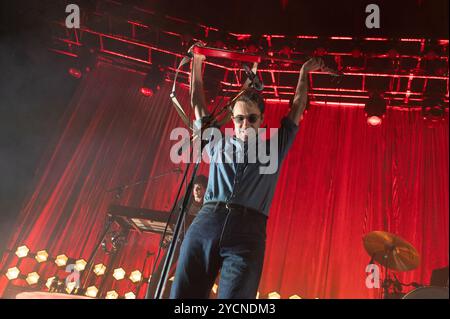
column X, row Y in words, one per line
column 431, row 292
column 393, row 253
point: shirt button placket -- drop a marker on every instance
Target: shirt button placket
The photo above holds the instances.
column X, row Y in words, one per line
column 237, row 177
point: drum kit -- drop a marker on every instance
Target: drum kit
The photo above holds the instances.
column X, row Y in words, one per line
column 394, row 253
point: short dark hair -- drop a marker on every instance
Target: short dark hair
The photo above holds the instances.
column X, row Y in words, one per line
column 251, row 95
column 201, row 180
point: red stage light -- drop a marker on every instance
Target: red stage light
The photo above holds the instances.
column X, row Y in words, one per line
column 152, row 81
column 433, row 111
column 147, row 91
column 22, row 251
column 13, row 273
column 374, row 120
column 375, row 108
column 75, row 73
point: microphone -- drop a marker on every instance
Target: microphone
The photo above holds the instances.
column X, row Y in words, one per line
column 336, row 74
column 254, row 78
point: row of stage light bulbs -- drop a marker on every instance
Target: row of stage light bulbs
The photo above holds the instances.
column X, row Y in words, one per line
column 80, row 264
column 99, row 269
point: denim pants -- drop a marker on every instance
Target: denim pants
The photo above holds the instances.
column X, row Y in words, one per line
column 229, row 240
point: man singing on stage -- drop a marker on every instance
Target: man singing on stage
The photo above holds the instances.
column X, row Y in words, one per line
column 229, row 232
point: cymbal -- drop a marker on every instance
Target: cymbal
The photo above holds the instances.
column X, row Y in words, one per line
column 391, row 251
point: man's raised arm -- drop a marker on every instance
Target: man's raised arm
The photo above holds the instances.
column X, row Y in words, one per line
column 198, row 101
column 301, row 91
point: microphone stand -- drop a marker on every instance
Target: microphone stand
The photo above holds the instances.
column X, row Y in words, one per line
column 119, row 189
column 387, row 281
column 176, row 233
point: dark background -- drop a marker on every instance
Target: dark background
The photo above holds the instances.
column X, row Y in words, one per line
column 427, row 18
column 35, row 88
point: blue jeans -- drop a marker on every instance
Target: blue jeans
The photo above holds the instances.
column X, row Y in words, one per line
column 229, row 240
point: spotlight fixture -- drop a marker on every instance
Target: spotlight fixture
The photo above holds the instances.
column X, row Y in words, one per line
column 41, row 256
column 375, row 109
column 75, row 72
column 119, row 273
column 13, row 273
column 61, row 260
column 99, row 269
column 153, row 80
column 32, row 278
column 433, row 110
column 22, row 251
column 85, row 62
column 136, row 276
column 274, row 295
column 112, row 295
column 433, row 113
column 91, row 291
column 130, row 295
column 80, row 264
column 295, row 297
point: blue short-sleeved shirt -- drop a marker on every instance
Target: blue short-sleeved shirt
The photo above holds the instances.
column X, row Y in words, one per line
column 241, row 181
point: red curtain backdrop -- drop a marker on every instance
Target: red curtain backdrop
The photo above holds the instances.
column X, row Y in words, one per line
column 341, row 180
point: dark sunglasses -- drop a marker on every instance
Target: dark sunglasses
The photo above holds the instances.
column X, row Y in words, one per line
column 252, row 118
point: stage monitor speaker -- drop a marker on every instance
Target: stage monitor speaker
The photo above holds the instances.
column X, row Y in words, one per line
column 439, row 277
